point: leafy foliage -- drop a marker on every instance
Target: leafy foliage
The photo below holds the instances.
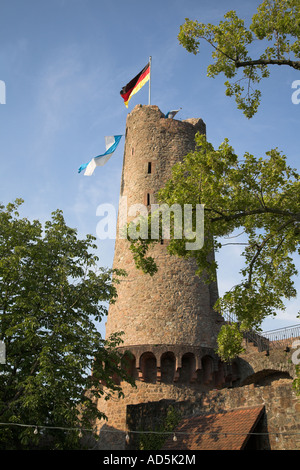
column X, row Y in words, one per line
column 259, row 196
column 230, row 342
column 256, row 195
column 156, row 439
column 296, row 383
column 51, row 296
column 276, row 26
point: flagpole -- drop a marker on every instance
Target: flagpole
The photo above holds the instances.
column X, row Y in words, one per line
column 150, row 61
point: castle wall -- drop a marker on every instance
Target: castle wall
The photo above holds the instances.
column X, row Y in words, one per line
column 113, row 432
column 281, row 426
column 281, row 430
column 187, row 379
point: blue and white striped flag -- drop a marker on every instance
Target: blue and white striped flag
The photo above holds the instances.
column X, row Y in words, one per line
column 171, row 114
column 111, row 143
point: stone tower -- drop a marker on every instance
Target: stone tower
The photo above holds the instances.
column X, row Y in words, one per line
column 168, row 320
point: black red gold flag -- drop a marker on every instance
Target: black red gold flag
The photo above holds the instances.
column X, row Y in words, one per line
column 135, row 84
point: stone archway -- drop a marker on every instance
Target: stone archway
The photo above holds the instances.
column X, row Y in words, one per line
column 168, row 367
column 148, row 367
column 128, row 363
column 188, row 365
column 208, row 369
column 266, row 377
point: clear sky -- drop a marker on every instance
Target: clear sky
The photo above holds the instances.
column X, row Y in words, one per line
column 64, row 63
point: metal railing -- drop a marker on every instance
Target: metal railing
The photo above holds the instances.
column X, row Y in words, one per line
column 250, row 336
column 282, row 336
column 258, row 340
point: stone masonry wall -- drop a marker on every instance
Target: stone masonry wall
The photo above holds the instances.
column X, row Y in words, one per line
column 112, row 432
column 282, row 411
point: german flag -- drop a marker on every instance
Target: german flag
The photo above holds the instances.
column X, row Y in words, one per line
column 135, row 84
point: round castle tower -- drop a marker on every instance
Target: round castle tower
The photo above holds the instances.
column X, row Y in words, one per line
column 168, row 320
column 173, row 308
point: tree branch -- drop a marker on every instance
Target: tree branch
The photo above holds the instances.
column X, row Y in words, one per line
column 251, row 62
column 291, row 63
column 263, row 210
column 262, row 245
column 21, row 389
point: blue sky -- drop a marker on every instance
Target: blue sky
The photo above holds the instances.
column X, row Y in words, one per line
column 64, row 63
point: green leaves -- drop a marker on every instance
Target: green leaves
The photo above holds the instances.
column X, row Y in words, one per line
column 256, row 196
column 52, row 293
column 230, row 342
column 276, row 25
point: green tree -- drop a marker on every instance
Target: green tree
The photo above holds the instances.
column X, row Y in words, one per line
column 258, row 196
column 245, row 55
column 52, row 294
column 275, row 30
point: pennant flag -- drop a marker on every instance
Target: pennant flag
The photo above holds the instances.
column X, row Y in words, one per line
column 171, row 114
column 111, row 143
column 135, row 84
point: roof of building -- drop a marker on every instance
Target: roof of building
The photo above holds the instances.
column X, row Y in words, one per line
column 228, row 430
